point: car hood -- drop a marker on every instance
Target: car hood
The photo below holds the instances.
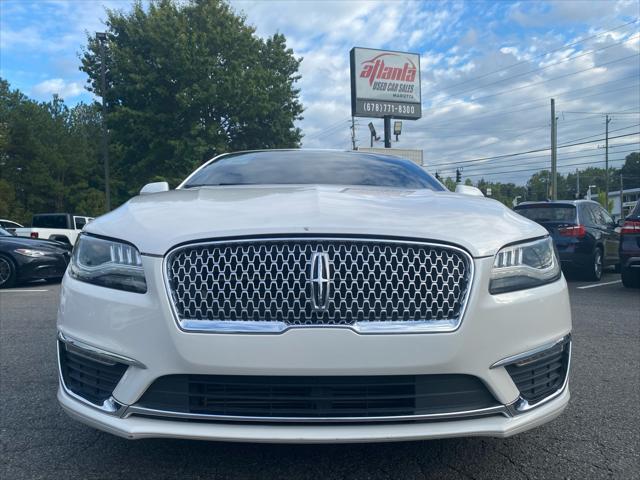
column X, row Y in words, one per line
column 157, row 222
column 27, row 242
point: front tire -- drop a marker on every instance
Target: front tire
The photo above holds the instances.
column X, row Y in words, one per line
column 593, row 272
column 7, row 272
column 630, row 278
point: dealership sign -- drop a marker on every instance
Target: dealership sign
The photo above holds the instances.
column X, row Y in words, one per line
column 385, row 83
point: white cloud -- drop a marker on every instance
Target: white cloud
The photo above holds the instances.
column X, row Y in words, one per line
column 469, row 109
column 66, row 90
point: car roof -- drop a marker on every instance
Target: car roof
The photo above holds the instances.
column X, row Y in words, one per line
column 310, row 151
column 56, row 214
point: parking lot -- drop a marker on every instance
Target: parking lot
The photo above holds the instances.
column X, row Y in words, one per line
column 598, row 435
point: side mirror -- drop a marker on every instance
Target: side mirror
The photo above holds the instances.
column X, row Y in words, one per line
column 468, row 190
column 155, row 187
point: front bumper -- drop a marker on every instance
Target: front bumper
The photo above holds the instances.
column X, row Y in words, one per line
column 138, row 427
column 141, row 328
column 49, row 266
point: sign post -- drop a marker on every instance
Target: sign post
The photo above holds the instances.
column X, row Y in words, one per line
column 385, row 84
column 387, row 131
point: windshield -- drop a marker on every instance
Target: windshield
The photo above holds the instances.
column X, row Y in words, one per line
column 548, row 212
column 4, row 233
column 295, row 167
column 49, row 221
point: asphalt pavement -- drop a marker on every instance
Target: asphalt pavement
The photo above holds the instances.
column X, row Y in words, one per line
column 597, row 436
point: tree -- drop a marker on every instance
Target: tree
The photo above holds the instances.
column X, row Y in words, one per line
column 48, row 156
column 602, row 201
column 450, row 184
column 630, row 171
column 503, row 192
column 538, row 186
column 186, row 81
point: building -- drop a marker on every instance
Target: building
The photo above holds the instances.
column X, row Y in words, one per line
column 629, row 198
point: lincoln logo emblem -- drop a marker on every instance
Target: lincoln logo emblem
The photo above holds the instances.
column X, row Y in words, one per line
column 320, row 280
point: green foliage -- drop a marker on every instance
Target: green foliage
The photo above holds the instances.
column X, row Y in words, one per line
column 450, row 184
column 186, row 81
column 631, row 170
column 602, row 201
column 503, row 192
column 48, row 156
column 538, row 185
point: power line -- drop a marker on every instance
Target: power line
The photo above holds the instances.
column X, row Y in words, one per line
column 534, row 129
column 604, row 113
column 624, row 144
column 527, row 161
column 542, row 169
column 538, row 83
column 543, row 54
column 497, row 140
column 532, row 151
column 330, row 129
column 530, row 161
column 616, row 130
column 565, row 95
column 543, row 103
column 591, row 118
column 338, row 125
column 568, row 59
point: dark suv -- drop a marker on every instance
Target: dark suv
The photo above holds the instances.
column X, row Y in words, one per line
column 584, row 233
column 630, row 249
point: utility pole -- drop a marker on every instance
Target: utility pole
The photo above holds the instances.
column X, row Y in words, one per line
column 353, row 133
column 621, row 198
column 577, row 184
column 554, row 157
column 606, row 163
column 102, row 38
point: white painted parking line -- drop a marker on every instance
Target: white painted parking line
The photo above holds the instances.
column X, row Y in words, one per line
column 23, row 291
column 600, row 284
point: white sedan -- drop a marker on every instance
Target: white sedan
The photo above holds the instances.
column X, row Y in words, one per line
column 313, row 296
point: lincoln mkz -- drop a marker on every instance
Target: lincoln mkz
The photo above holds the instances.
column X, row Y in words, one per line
column 313, row 296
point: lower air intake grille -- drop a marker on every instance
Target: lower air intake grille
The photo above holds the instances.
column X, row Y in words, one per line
column 316, row 397
column 89, row 378
column 542, row 375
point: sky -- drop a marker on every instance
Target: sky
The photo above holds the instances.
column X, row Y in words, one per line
column 488, row 72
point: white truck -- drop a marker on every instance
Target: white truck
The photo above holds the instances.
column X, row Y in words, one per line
column 63, row 227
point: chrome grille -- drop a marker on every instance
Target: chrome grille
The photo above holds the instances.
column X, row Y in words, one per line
column 369, row 281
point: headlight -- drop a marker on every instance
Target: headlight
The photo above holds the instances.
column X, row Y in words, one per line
column 524, row 265
column 27, row 252
column 108, row 263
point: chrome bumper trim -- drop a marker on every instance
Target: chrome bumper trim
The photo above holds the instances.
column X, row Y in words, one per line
column 530, row 353
column 212, row 326
column 497, row 410
column 95, row 353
